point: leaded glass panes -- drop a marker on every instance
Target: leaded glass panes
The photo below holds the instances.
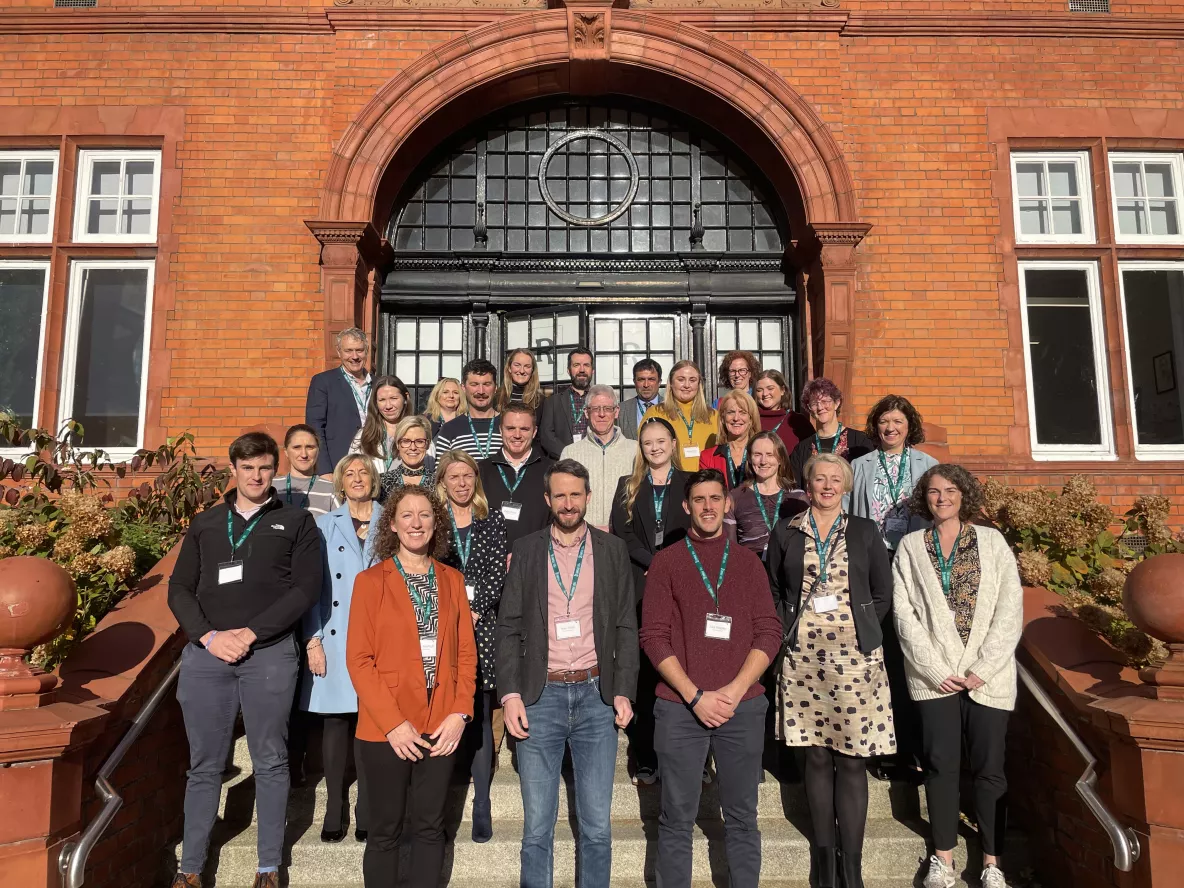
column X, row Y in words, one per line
column 619, row 342
column 550, row 335
column 422, row 350
column 764, row 336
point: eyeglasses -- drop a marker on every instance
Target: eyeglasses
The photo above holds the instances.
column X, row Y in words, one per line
column 412, row 443
column 743, row 371
column 822, row 402
column 602, row 411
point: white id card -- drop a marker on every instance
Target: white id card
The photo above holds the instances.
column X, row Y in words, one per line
column 470, row 592
column 230, row 572
column 718, row 626
column 511, row 511
column 897, row 525
column 576, row 437
column 565, row 629
column 691, row 452
column 427, row 647
column 658, row 537
column 824, row 604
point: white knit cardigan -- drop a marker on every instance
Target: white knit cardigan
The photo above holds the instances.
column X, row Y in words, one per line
column 933, row 649
column 605, row 467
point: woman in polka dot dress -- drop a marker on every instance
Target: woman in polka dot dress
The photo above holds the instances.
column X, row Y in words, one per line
column 832, row 583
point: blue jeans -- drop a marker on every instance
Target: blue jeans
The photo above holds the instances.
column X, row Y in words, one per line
column 568, row 714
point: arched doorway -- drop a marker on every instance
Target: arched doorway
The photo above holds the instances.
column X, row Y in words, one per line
column 614, row 223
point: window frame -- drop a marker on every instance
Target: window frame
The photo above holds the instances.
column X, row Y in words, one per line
column 15, row 452
column 1175, row 159
column 78, row 268
column 1081, row 159
column 51, row 154
column 1105, row 450
column 1148, row 452
column 82, row 196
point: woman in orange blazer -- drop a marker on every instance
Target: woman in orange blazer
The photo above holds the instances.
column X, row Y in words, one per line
column 413, row 661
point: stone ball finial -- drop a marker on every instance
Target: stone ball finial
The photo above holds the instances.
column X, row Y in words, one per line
column 37, row 599
column 1153, row 598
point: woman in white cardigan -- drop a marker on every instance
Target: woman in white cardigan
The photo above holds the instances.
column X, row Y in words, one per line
column 958, row 609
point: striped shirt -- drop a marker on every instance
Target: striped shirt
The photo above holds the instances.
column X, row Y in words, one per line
column 457, row 435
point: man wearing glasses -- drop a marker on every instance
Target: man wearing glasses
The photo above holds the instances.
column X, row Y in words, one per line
column 605, row 452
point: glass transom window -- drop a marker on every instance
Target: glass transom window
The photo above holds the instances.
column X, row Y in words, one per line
column 1147, row 197
column 1052, row 201
column 27, row 190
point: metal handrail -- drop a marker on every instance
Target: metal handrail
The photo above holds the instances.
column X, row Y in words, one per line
column 72, row 860
column 1123, row 840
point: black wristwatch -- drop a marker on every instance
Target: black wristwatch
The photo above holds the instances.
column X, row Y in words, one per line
column 465, row 718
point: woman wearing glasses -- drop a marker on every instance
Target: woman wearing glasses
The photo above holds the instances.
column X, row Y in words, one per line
column 685, row 408
column 737, row 370
column 413, row 466
column 390, row 401
column 823, row 402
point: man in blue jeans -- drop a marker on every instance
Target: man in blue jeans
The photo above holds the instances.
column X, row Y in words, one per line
column 247, row 571
column 567, row 661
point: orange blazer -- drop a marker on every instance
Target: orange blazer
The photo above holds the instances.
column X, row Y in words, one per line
column 382, row 653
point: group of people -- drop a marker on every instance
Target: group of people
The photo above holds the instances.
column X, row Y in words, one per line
column 580, row 567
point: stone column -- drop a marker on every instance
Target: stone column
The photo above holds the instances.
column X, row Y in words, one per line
column 831, row 295
column 350, row 254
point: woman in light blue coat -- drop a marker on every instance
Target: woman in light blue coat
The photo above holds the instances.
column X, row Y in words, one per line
column 326, row 689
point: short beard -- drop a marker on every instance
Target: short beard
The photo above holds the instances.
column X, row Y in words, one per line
column 573, row 525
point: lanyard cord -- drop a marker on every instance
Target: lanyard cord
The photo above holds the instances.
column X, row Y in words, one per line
column 946, row 567
column 834, row 447
column 760, row 501
column 234, row 544
column 425, row 605
column 482, row 452
column 360, row 397
column 569, row 594
column 520, row 474
column 823, row 546
column 462, row 550
column 723, row 566
column 659, row 501
column 735, row 476
column 288, row 488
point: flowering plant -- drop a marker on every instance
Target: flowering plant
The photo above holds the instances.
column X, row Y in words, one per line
column 1077, row 547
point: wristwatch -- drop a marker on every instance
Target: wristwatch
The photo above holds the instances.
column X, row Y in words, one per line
column 465, row 718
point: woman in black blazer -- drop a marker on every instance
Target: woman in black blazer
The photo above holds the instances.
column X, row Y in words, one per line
column 647, row 514
column 832, row 585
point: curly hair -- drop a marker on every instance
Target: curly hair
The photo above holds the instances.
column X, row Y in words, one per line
column 887, row 404
column 754, row 367
column 819, row 388
column 973, row 499
column 387, row 543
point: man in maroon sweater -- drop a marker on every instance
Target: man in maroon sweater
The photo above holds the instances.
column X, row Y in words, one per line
column 710, row 629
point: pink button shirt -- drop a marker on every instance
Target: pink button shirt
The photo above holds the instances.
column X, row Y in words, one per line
column 571, row 653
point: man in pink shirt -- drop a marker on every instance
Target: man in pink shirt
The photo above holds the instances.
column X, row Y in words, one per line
column 567, row 659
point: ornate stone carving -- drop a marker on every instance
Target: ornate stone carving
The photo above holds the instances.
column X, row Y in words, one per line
column 443, row 4
column 736, row 4
column 588, row 29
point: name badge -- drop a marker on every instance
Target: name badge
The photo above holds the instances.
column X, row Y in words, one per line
column 471, row 593
column 691, row 452
column 565, row 629
column 576, row 437
column 230, row 572
column 427, row 648
column 511, row 511
column 897, row 525
column 824, row 604
column 718, row 626
column 659, row 535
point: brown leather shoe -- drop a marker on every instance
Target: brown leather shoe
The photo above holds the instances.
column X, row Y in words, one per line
column 186, row 880
column 266, row 880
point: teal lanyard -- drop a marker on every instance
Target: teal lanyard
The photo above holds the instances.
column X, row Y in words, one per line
column 895, row 486
column 424, row 479
column 234, row 544
column 735, row 476
column 823, row 546
column 388, row 455
column 604, row 447
column 779, row 424
column 760, row 501
column 288, row 488
column 659, row 501
column 482, row 452
column 512, row 488
column 360, row 397
column 946, row 568
column 423, row 604
column 568, row 593
column 575, row 412
column 723, row 566
column 834, row 441
column 690, row 426
column 462, row 548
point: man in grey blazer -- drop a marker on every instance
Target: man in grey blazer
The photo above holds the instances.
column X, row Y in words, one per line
column 647, row 382
column 567, row 660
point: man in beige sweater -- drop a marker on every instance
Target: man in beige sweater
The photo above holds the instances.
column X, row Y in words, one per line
column 605, row 452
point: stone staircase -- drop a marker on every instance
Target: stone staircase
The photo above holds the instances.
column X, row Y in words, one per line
column 894, row 849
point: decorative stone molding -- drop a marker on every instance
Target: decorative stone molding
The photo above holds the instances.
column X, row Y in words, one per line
column 442, row 4
column 589, row 34
column 735, row 4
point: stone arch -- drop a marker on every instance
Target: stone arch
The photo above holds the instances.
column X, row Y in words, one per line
column 577, row 50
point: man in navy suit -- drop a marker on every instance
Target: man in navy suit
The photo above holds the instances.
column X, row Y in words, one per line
column 337, row 399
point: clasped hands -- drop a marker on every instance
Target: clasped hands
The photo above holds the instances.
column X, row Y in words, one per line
column 229, row 645
column 408, row 744
column 953, row 684
column 717, row 707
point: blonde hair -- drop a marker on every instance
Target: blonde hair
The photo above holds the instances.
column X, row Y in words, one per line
column 832, row 459
column 641, row 467
column 343, row 465
column 748, row 404
column 414, row 422
column 480, row 503
column 532, row 394
column 432, row 410
column 700, row 412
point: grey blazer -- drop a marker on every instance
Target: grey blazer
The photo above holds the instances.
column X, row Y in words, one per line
column 628, row 418
column 859, row 501
column 523, row 623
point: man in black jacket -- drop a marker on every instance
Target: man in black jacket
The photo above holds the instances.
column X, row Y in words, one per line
column 247, row 571
column 567, row 661
column 512, row 476
column 564, row 419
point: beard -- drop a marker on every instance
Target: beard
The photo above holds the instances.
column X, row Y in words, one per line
column 569, row 522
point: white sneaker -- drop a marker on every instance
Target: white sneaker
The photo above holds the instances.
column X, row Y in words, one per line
column 941, row 875
column 992, row 877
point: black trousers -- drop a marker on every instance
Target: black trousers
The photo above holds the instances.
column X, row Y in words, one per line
column 337, row 735
column 393, row 781
column 947, row 723
column 479, row 744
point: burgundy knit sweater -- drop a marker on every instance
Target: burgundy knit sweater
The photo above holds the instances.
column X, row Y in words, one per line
column 675, row 608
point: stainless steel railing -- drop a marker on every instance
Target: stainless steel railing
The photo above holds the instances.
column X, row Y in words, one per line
column 72, row 860
column 1123, row 840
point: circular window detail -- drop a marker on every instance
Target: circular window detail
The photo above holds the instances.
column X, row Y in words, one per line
column 597, row 136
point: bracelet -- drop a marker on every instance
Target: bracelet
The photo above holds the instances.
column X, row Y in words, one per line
column 695, row 701
column 308, row 644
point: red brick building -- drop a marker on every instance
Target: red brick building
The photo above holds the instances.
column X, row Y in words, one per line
column 972, row 204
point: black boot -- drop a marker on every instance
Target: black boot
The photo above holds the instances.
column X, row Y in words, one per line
column 852, row 866
column 825, row 866
column 482, row 822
